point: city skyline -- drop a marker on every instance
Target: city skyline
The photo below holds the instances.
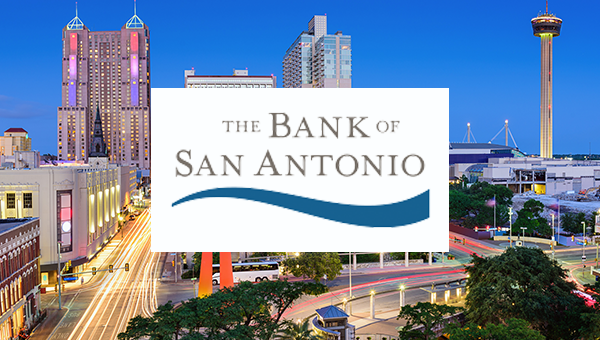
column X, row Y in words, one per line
column 492, row 77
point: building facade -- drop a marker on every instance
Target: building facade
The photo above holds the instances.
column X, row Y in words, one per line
column 317, row 59
column 19, row 275
column 14, row 139
column 543, row 176
column 107, row 71
column 546, row 26
column 239, row 79
column 80, row 207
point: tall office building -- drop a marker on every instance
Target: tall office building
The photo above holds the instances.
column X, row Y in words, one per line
column 546, row 26
column 108, row 71
column 318, row 59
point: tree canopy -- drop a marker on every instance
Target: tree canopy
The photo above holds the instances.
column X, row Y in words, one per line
column 524, row 283
column 298, row 331
column 431, row 316
column 314, row 265
column 530, row 217
column 245, row 311
column 514, row 329
column 475, row 203
column 572, row 222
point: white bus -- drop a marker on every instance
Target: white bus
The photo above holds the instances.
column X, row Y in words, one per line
column 252, row 271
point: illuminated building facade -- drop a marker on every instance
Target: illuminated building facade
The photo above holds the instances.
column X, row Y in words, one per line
column 546, row 26
column 317, row 59
column 14, row 139
column 107, row 71
column 80, row 206
column 19, row 275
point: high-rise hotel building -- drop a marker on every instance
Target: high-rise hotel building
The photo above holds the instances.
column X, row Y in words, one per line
column 318, row 59
column 109, row 71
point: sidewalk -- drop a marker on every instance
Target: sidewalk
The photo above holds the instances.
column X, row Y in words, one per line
column 384, row 323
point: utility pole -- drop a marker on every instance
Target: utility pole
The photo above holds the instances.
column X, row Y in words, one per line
column 510, row 213
column 58, row 276
column 350, row 276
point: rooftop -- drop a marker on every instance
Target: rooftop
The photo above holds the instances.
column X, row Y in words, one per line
column 331, row 312
column 16, row 130
column 480, row 146
column 12, row 223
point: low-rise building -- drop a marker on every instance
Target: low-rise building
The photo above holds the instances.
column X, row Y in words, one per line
column 19, row 275
column 14, row 139
column 79, row 208
column 543, row 175
column 239, row 79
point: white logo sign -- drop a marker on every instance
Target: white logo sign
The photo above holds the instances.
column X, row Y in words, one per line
column 299, row 169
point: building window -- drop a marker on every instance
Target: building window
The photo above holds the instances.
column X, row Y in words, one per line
column 27, row 200
column 10, row 200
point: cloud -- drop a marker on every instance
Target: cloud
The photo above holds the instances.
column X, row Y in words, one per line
column 16, row 108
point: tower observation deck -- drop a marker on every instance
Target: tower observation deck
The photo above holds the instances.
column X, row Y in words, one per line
column 546, row 26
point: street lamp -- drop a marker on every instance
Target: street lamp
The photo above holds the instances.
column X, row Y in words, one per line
column 402, row 295
column 552, row 235
column 522, row 228
column 58, row 276
column 510, row 213
column 372, row 293
column 583, row 243
column 583, row 258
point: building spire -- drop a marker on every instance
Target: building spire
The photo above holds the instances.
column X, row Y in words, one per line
column 135, row 21
column 135, row 7
column 75, row 23
column 98, row 147
column 546, row 6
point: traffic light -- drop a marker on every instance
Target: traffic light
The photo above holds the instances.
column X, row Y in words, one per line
column 464, row 240
column 126, row 267
column 572, row 238
column 173, row 263
column 93, row 270
column 110, row 268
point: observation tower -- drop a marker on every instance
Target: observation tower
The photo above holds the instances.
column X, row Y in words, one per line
column 546, row 26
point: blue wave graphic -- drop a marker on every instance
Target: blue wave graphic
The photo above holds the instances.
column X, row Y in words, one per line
column 401, row 213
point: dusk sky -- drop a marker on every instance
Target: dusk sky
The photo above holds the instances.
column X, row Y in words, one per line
column 483, row 51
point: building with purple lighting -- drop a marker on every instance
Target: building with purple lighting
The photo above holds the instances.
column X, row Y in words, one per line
column 108, row 71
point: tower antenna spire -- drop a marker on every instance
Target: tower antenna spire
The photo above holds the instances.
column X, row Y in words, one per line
column 546, row 6
column 76, row 14
column 135, row 7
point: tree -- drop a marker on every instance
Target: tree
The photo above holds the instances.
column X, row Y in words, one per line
column 460, row 204
column 298, row 331
column 245, row 311
column 572, row 222
column 472, row 204
column 529, row 217
column 166, row 323
column 524, row 283
column 314, row 265
column 592, row 221
column 431, row 316
column 514, row 329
